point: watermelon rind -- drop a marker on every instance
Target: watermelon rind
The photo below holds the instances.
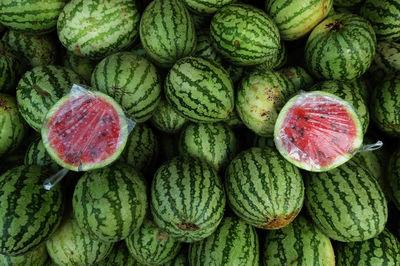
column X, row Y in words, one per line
column 36, row 257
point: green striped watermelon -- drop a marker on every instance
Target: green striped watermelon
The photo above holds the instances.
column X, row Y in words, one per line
column 234, row 120
column 235, row 72
column 132, row 81
column 263, row 142
column 393, row 178
column 36, row 154
column 81, row 65
column 187, row 199
column 204, row 47
column 298, row 76
column 385, row 105
column 141, row 149
column 110, row 203
column 36, row 257
column 264, row 189
column 200, row 90
column 97, row 28
column 346, row 3
column 360, row 85
column 260, row 97
column 332, row 51
column 167, row 31
column 346, row 203
column 10, row 69
column 12, row 125
column 31, row 16
column 299, row 243
column 166, row 119
column 233, row 243
column 384, row 17
column 347, row 93
column 120, row 256
column 206, row 7
column 42, row 87
column 151, row 246
column 381, row 250
column 69, row 245
column 295, row 18
column 39, row 50
column 30, row 214
column 387, row 57
column 276, row 60
column 180, row 260
column 213, row 143
column 244, row 34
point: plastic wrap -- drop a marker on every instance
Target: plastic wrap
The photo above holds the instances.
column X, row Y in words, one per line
column 84, row 130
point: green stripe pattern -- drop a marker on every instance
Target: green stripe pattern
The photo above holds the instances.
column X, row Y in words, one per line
column 12, row 125
column 298, row 76
column 387, row 57
column 204, row 47
column 200, row 90
column 10, row 70
column 180, row 260
column 331, row 47
column 36, row 257
column 110, row 203
column 360, row 85
column 141, row 149
column 299, row 243
column 263, row 188
column 260, row 97
column 384, row 17
column 40, row 88
column 166, row 119
column 244, row 34
column 81, row 65
column 233, row 243
column 120, row 256
column 30, row 214
column 385, row 106
column 69, row 245
column 393, row 178
column 346, row 203
column 36, row 154
column 213, row 143
column 132, row 81
column 167, row 31
column 381, row 250
column 112, row 24
column 206, row 7
column 151, row 246
column 39, row 50
column 276, row 60
column 295, row 18
column 31, row 16
column 234, row 120
column 187, row 199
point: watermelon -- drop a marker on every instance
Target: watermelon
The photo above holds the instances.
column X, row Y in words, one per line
column 12, row 125
column 36, row 257
column 332, row 51
column 31, row 16
column 235, row 72
column 151, row 246
column 180, row 260
column 360, row 85
column 386, row 61
column 166, row 119
column 295, row 18
column 187, row 199
column 97, row 28
column 81, row 65
column 213, row 143
column 30, row 214
column 118, row 256
column 233, row 243
column 141, row 149
column 10, row 69
column 384, row 17
column 69, row 245
column 263, row 189
column 110, row 203
column 276, row 60
column 42, row 87
column 39, row 50
column 138, row 49
column 318, row 131
column 132, row 81
column 298, row 76
column 36, row 154
column 346, row 3
column 204, row 47
column 385, row 108
column 263, row 142
column 299, row 243
column 346, row 203
column 167, row 32
column 383, row 249
column 393, row 178
column 206, row 7
column 347, row 93
column 200, row 90
column 244, row 34
column 234, row 121
column 260, row 97
column 85, row 130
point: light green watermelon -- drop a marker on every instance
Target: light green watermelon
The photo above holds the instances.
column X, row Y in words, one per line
column 206, row 7
column 36, row 257
column 393, row 178
column 10, row 69
column 36, row 154
column 298, row 76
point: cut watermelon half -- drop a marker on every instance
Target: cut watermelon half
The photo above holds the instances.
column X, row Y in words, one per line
column 318, row 131
column 85, row 130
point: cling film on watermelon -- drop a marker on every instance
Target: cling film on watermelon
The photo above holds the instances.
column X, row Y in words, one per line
column 318, row 131
column 84, row 130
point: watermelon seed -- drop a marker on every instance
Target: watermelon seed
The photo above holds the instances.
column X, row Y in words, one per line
column 306, row 118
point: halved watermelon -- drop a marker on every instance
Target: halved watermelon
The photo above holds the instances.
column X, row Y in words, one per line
column 318, row 131
column 85, row 130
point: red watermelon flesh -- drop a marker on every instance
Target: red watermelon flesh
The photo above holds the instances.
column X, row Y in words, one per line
column 318, row 132
column 85, row 131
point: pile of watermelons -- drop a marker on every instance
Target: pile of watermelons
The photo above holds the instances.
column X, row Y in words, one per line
column 202, row 132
